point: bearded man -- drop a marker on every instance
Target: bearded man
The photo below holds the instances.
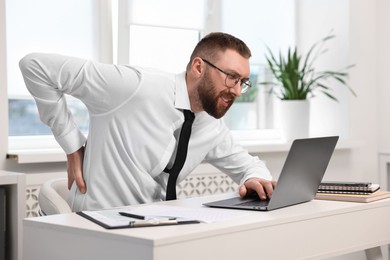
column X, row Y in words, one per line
column 136, row 116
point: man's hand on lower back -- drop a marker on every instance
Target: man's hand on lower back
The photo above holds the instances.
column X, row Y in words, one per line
column 75, row 169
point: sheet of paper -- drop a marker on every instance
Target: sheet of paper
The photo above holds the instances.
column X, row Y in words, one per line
column 206, row 215
column 109, row 217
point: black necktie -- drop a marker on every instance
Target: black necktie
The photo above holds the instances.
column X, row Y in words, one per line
column 181, row 154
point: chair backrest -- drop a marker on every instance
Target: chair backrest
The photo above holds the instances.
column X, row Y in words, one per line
column 53, row 197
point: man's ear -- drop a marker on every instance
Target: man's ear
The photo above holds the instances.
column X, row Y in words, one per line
column 197, row 67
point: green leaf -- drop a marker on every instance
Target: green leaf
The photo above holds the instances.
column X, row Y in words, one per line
column 296, row 76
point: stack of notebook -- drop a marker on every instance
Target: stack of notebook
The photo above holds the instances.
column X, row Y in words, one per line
column 351, row 191
column 348, row 187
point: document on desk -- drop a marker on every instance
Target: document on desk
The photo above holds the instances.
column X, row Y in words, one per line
column 205, row 215
column 157, row 215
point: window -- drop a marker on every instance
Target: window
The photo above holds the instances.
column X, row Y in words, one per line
column 257, row 23
column 146, row 51
column 46, row 27
column 135, row 32
column 171, row 28
column 161, row 34
column 24, row 119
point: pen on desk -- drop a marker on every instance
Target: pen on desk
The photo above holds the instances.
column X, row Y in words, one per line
column 130, row 215
column 156, row 222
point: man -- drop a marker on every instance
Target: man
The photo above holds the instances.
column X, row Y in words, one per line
column 136, row 116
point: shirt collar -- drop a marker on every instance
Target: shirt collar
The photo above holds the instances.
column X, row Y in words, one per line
column 182, row 100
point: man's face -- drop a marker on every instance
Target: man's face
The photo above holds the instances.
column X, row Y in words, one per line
column 214, row 101
column 216, row 98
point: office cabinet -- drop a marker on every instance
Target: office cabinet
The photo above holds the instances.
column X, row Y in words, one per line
column 14, row 185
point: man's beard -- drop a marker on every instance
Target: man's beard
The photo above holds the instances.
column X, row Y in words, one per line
column 210, row 99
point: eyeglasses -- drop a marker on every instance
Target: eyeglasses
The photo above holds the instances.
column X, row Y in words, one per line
column 232, row 80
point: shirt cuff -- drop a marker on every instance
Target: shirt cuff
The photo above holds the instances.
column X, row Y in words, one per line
column 263, row 174
column 72, row 141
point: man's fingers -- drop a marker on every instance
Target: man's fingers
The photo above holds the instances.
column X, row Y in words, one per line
column 75, row 170
column 78, row 178
column 259, row 188
column 70, row 182
column 255, row 185
column 269, row 188
column 262, row 187
column 80, row 183
column 242, row 191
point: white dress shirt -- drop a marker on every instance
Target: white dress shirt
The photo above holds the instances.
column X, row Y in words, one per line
column 135, row 119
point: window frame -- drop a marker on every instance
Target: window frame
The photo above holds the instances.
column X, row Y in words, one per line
column 116, row 48
column 17, row 144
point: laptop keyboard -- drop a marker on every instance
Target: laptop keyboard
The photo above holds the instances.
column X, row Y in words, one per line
column 255, row 203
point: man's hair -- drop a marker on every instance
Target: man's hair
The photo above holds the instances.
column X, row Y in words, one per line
column 215, row 43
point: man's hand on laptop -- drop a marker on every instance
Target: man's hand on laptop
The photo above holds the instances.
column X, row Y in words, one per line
column 263, row 188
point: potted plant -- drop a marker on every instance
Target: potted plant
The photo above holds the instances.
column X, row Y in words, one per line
column 296, row 81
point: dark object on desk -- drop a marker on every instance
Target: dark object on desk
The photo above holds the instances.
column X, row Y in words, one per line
column 156, row 222
column 348, row 187
column 379, row 195
column 345, row 184
column 301, row 175
column 3, row 223
column 130, row 215
column 135, row 216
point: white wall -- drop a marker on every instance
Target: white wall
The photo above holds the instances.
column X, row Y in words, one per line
column 382, row 80
column 357, row 117
column 313, row 22
column 255, row 29
column 364, row 121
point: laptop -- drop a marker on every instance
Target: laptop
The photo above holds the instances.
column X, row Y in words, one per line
column 299, row 179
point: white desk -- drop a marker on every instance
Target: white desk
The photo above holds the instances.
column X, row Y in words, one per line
column 312, row 230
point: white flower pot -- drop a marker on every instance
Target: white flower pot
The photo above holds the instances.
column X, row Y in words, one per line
column 294, row 119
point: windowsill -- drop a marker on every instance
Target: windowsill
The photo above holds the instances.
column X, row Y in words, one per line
column 25, row 156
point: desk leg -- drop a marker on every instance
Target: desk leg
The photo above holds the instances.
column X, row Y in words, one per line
column 374, row 253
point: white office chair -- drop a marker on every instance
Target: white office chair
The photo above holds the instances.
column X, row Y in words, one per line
column 53, row 197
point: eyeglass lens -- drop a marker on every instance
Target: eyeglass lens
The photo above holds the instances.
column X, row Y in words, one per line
column 231, row 81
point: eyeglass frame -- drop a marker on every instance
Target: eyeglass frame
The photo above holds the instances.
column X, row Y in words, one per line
column 243, row 81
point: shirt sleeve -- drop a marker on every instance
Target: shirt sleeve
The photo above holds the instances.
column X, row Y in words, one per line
column 232, row 159
column 101, row 87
